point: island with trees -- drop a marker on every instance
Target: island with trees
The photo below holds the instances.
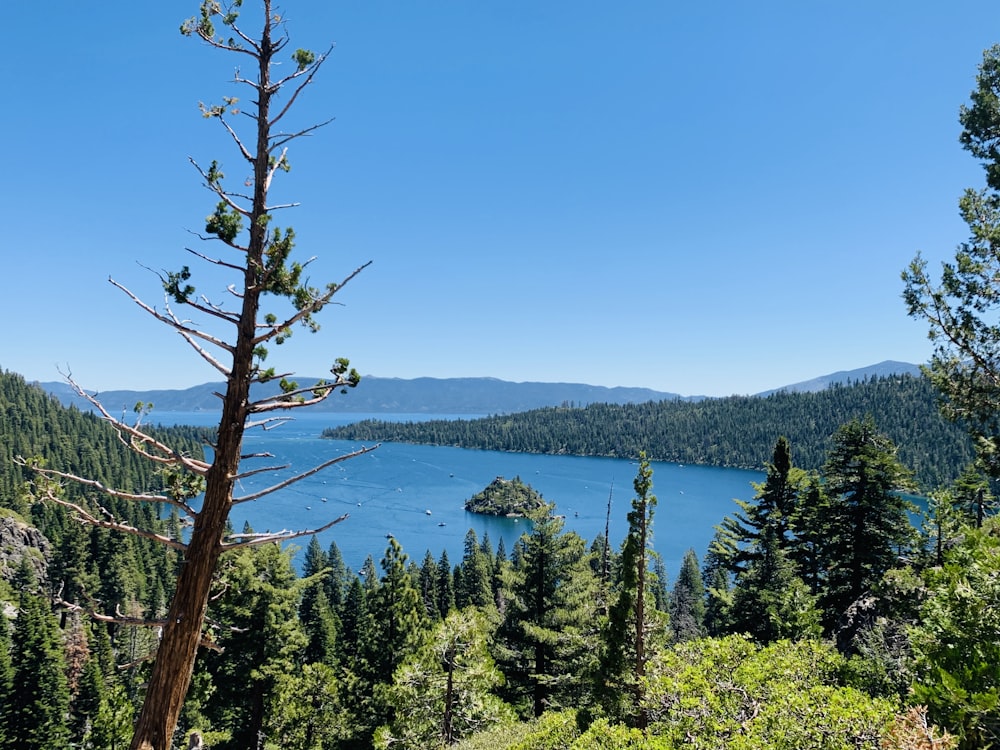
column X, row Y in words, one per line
column 506, row 497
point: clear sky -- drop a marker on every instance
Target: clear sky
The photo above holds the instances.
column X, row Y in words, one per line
column 703, row 198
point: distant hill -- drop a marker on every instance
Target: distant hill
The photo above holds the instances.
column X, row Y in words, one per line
column 881, row 370
column 392, row 395
column 377, row 395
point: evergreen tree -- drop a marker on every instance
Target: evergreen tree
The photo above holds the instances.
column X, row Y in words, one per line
column 631, row 622
column 547, row 631
column 396, row 615
column 315, row 560
column 771, row 602
column 718, row 584
column 354, row 620
column 659, row 585
column 445, row 585
column 259, row 254
column 338, row 579
column 763, row 525
column 443, row 691
column 867, row 529
column 263, row 639
column 476, row 589
column 971, row 495
column 35, row 716
column 687, row 601
column 6, row 679
column 428, row 584
column 320, row 624
column 768, row 599
column 811, row 526
column 307, row 712
column 961, row 309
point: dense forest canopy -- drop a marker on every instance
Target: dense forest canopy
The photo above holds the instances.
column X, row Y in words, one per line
column 738, row 431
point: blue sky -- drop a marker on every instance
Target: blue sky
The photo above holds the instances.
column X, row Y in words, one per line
column 703, row 198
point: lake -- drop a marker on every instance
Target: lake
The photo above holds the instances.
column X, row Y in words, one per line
column 416, row 493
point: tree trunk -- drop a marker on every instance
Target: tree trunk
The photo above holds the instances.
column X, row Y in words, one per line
column 178, row 649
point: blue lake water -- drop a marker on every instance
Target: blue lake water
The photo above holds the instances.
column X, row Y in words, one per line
column 391, row 490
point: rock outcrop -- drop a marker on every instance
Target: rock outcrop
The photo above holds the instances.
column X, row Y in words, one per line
column 20, row 541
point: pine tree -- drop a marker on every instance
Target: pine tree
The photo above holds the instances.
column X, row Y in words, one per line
column 6, row 679
column 961, row 309
column 258, row 252
column 548, row 627
column 354, row 620
column 867, row 526
column 396, row 615
column 770, row 602
column 476, row 588
column 445, row 585
column 687, row 601
column 718, row 584
column 320, row 624
column 428, row 584
column 263, row 639
column 35, row 717
column 315, row 560
column 443, row 691
column 631, row 621
column 972, row 496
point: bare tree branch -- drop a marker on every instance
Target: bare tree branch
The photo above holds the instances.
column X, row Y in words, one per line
column 253, row 540
column 263, row 470
column 173, row 322
column 140, row 622
column 85, row 516
column 304, row 474
column 140, row 440
column 282, row 138
column 110, row 492
column 239, row 144
column 311, row 71
column 214, row 261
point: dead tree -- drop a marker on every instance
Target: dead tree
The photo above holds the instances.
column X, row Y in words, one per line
column 258, row 253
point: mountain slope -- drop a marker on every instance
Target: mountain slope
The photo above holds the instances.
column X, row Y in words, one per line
column 377, row 395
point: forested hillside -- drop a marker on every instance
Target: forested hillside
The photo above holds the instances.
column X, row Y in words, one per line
column 738, row 431
column 34, row 424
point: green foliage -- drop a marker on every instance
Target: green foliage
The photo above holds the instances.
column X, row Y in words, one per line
column 732, row 693
column 603, row 735
column 864, row 519
column 633, row 625
column 955, row 643
column 306, row 712
column 263, row 640
column 738, row 431
column 961, row 309
column 548, row 630
column 687, row 601
column 554, row 730
column 35, row 709
column 442, row 692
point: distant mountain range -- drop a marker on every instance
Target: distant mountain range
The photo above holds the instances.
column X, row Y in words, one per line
column 446, row 395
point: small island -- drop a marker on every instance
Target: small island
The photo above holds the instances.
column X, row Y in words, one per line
column 506, row 497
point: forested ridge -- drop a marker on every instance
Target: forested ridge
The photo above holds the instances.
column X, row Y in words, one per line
column 738, row 431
